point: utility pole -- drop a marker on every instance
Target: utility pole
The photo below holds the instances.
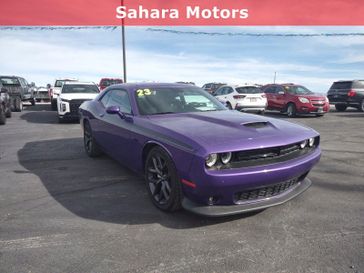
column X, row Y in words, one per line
column 123, row 44
column 275, row 76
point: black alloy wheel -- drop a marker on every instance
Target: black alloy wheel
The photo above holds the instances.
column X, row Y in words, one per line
column 291, row 110
column 91, row 147
column 162, row 180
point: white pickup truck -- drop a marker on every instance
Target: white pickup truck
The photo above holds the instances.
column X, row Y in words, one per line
column 72, row 95
column 56, row 89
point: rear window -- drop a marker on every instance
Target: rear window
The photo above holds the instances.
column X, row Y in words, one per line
column 110, row 82
column 79, row 88
column 342, row 85
column 358, row 84
column 249, row 90
column 9, row 81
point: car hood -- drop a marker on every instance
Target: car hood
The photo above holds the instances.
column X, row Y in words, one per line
column 222, row 131
column 78, row 96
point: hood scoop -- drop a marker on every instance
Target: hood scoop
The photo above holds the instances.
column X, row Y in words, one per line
column 256, row 125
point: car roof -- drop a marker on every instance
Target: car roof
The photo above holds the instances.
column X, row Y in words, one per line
column 78, row 83
column 66, row 79
column 132, row 86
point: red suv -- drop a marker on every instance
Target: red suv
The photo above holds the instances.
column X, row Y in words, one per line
column 295, row 99
column 105, row 82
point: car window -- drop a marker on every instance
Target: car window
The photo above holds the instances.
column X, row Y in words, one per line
column 249, row 90
column 105, row 98
column 119, row 98
column 297, row 90
column 229, row 90
column 79, row 88
column 218, row 92
column 270, row 89
column 342, row 85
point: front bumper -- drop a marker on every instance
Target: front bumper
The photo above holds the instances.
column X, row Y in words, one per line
column 310, row 109
column 216, row 211
column 254, row 108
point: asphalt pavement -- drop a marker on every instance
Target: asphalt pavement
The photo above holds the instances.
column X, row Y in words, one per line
column 61, row 211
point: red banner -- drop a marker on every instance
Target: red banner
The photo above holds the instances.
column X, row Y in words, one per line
column 180, row 13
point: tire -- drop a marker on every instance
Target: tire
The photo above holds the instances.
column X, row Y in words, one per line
column 162, row 180
column 18, row 104
column 320, row 115
column 361, row 106
column 340, row 107
column 32, row 102
column 2, row 115
column 91, row 147
column 262, row 112
column 228, row 105
column 54, row 105
column 291, row 110
column 8, row 113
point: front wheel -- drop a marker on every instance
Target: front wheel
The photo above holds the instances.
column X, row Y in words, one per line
column 162, row 180
column 340, row 107
column 2, row 115
column 291, row 110
column 18, row 107
column 91, row 147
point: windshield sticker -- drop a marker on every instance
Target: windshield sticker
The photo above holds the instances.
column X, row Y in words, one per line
column 144, row 92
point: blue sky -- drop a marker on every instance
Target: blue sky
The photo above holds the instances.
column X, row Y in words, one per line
column 90, row 54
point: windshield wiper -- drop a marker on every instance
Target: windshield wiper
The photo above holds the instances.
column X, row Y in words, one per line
column 163, row 113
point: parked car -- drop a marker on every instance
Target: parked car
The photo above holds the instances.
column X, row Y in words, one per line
column 19, row 90
column 212, row 87
column 196, row 153
column 106, row 82
column 56, row 89
column 72, row 95
column 5, row 111
column 190, row 83
column 242, row 97
column 41, row 94
column 345, row 94
column 295, row 99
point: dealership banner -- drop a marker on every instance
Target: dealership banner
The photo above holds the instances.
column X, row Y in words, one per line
column 180, row 12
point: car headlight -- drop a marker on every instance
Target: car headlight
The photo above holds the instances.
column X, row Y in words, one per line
column 210, row 160
column 303, row 100
column 303, row 144
column 225, row 157
column 311, row 141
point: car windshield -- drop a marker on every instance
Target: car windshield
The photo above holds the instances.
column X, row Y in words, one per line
column 249, row 90
column 110, row 82
column 79, row 88
column 9, row 81
column 297, row 90
column 152, row 101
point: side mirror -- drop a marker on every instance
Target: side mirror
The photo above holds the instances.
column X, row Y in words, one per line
column 3, row 90
column 281, row 93
column 112, row 110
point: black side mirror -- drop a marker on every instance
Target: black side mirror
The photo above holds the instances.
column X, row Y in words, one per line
column 112, row 110
column 3, row 90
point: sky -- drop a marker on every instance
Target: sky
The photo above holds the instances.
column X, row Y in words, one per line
column 42, row 55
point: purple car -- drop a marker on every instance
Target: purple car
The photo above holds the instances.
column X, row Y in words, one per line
column 197, row 154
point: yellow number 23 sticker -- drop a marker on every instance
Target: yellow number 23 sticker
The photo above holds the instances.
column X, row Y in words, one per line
column 143, row 92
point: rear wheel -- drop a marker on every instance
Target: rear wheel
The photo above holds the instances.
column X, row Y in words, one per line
column 340, row 107
column 162, row 180
column 228, row 105
column 361, row 106
column 91, row 147
column 8, row 113
column 2, row 115
column 291, row 110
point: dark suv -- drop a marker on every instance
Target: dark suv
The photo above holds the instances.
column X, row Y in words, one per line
column 5, row 111
column 19, row 90
column 347, row 93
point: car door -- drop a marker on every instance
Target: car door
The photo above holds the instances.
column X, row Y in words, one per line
column 280, row 98
column 270, row 93
column 114, row 130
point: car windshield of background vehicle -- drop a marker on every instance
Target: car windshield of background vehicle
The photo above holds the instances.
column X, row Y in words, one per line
column 79, row 88
column 110, row 82
column 153, row 101
column 298, row 90
column 9, row 81
column 59, row 83
column 249, row 90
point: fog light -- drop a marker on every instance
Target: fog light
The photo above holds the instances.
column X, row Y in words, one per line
column 303, row 144
column 212, row 200
column 211, row 160
column 63, row 107
column 225, row 157
column 311, row 141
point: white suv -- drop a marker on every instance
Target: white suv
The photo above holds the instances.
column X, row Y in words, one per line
column 72, row 95
column 56, row 89
column 248, row 97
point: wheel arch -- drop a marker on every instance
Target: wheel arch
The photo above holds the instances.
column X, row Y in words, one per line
column 148, row 146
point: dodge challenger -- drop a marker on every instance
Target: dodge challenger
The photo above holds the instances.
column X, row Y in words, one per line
column 197, row 154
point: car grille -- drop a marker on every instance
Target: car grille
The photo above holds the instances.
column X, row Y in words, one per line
column 75, row 105
column 268, row 191
column 265, row 156
column 318, row 103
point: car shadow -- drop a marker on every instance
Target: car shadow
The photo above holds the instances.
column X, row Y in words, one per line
column 42, row 114
column 100, row 189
